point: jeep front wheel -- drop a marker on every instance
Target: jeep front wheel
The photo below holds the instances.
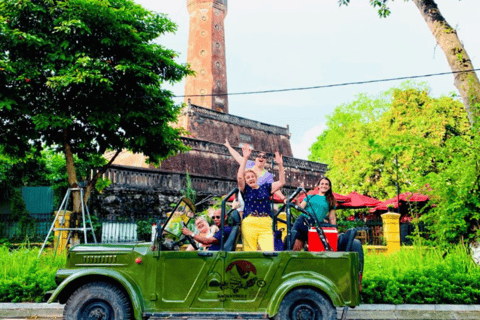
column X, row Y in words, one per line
column 97, row 300
column 306, row 304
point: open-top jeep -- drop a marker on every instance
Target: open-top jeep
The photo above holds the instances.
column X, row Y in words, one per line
column 142, row 280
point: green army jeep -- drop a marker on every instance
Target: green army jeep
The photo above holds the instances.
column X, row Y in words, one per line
column 159, row 279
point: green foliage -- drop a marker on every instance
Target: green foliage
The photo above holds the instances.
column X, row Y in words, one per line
column 102, row 184
column 17, row 206
column 56, row 171
column 437, row 153
column 383, row 9
column 87, row 75
column 189, row 192
column 144, row 229
column 416, row 275
column 24, row 277
column 362, row 139
column 18, row 172
column 456, row 192
column 344, row 225
column 20, row 215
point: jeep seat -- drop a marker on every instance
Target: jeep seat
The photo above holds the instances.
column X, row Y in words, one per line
column 231, row 242
column 345, row 241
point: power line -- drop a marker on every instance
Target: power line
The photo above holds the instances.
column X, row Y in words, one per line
column 329, row 85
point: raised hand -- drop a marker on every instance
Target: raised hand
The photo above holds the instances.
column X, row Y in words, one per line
column 278, row 158
column 246, row 151
column 227, row 144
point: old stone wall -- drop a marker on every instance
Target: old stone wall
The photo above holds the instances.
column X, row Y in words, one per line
column 214, row 126
column 213, row 161
column 130, row 203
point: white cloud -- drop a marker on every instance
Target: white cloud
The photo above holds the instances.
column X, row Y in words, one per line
column 300, row 150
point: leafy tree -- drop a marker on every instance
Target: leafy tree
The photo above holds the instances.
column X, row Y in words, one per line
column 83, row 77
column 467, row 83
column 362, row 139
column 456, row 191
column 16, row 173
column 438, row 153
column 57, row 176
column 345, row 143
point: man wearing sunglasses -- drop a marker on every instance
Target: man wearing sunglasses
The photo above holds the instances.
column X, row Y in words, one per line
column 213, row 241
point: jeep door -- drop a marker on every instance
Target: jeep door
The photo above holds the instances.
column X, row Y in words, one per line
column 186, row 280
column 189, row 280
column 248, row 276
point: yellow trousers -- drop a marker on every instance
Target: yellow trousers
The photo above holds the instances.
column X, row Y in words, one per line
column 257, row 232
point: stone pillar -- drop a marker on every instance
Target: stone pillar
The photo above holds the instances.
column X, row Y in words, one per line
column 206, row 55
column 391, row 231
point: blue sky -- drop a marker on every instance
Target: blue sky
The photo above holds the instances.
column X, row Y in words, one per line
column 276, row 44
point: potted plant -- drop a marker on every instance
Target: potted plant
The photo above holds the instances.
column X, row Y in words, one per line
column 390, row 207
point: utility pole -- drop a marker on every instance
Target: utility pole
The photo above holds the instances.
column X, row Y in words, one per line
column 398, row 188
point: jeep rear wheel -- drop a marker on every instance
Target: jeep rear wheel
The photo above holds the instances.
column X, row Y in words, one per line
column 95, row 301
column 306, row 304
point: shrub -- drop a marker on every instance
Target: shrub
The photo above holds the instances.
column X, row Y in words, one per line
column 24, row 277
column 416, row 275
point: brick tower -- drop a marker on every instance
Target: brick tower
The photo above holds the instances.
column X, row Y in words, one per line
column 206, row 54
column 206, row 118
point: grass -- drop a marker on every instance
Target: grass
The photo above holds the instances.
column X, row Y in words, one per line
column 24, row 277
column 411, row 275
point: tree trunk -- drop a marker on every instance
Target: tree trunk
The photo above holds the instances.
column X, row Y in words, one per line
column 72, row 178
column 466, row 82
column 91, row 184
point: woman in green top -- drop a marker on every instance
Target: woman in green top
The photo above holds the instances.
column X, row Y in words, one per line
column 320, row 205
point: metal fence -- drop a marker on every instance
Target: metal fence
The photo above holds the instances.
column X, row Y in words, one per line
column 121, row 229
column 374, row 229
column 35, row 229
column 107, row 230
column 407, row 231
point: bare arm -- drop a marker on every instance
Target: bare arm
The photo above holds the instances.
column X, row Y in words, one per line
column 233, row 152
column 277, row 185
column 198, row 237
column 281, row 196
column 241, row 171
column 332, row 217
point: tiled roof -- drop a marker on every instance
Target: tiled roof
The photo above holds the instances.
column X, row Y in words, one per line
column 127, row 158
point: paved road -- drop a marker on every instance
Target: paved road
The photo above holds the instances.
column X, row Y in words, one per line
column 367, row 311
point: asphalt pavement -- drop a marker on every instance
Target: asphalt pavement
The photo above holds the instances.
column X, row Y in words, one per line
column 366, row 311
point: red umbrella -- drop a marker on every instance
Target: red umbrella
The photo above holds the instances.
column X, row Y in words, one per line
column 405, row 197
column 359, row 201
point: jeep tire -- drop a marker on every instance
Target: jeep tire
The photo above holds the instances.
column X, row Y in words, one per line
column 97, row 300
column 303, row 304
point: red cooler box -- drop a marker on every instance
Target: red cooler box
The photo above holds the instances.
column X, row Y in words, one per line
column 314, row 242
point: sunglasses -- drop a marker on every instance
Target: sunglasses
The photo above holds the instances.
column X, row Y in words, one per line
column 216, row 217
column 263, row 156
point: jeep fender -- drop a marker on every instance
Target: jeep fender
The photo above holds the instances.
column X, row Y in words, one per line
column 304, row 279
column 132, row 291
